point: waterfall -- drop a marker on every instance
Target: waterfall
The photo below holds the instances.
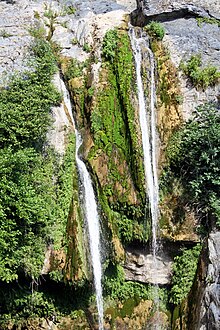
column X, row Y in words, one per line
column 148, row 131
column 90, row 212
column 149, row 136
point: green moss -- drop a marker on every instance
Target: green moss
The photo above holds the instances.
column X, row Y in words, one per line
column 113, row 119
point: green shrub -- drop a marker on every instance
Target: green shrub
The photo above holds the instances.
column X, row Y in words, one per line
column 184, row 270
column 87, row 48
column 68, row 10
column 5, row 34
column 37, row 31
column 28, row 167
column 155, row 30
column 201, row 77
column 74, row 69
column 193, row 154
column 109, row 45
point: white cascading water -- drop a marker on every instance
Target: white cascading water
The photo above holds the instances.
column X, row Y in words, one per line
column 148, row 131
column 149, row 140
column 90, row 213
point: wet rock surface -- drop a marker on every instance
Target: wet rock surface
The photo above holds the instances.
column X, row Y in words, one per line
column 140, row 264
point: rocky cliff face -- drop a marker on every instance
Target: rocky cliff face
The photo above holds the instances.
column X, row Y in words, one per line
column 203, row 306
column 105, row 106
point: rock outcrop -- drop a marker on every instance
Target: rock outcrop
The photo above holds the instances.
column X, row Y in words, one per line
column 204, row 299
column 148, row 10
column 141, row 266
column 185, row 37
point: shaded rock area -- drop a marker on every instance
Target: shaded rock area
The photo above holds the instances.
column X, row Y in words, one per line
column 204, row 299
column 144, row 268
column 141, row 266
column 148, row 10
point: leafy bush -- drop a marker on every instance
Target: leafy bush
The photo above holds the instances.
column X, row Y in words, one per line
column 110, row 45
column 74, row 69
column 184, row 270
column 27, row 166
column 194, row 157
column 200, row 76
column 155, row 30
column 116, row 288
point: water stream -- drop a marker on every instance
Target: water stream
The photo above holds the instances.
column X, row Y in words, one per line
column 90, row 213
column 147, row 117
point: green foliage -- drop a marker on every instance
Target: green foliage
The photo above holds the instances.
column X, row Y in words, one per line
column 87, row 48
column 4, row 34
column 24, row 302
column 115, row 136
column 37, row 30
column 118, row 289
column 68, row 10
column 201, row 77
column 25, row 104
column 194, row 157
column 109, row 45
column 184, row 270
column 130, row 229
column 74, row 69
column 28, row 167
column 49, row 12
column 155, row 30
column 207, row 20
column 64, row 190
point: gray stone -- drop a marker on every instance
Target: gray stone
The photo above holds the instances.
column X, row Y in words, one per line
column 204, row 300
column 141, row 266
column 175, row 9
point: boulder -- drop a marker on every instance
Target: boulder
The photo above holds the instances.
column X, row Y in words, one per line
column 142, row 266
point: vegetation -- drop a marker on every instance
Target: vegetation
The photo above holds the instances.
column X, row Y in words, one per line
column 25, row 304
column 115, row 136
column 74, row 69
column 193, row 156
column 201, row 77
column 37, row 30
column 118, row 289
column 109, row 46
column 28, row 167
column 184, row 270
column 155, row 30
column 5, row 34
column 87, row 48
column 207, row 20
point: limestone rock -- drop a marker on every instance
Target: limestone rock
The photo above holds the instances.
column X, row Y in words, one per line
column 62, row 123
column 141, row 266
column 184, row 38
column 210, row 304
column 204, row 299
column 148, row 10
